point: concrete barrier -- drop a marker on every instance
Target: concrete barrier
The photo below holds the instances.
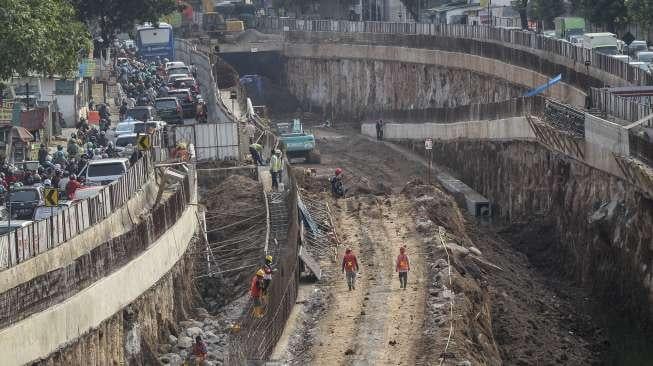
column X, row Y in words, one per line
column 503, row 129
column 43, row 333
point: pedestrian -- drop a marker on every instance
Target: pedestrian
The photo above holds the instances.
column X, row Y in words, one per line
column 276, row 166
column 43, row 154
column 402, row 267
column 72, row 186
column 256, row 291
column 337, row 188
column 255, row 149
column 199, row 351
column 267, row 277
column 350, row 266
column 379, row 129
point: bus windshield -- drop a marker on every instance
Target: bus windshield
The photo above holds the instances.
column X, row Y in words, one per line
column 152, row 36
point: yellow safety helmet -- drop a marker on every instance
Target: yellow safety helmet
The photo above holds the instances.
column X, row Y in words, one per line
column 260, row 273
column 268, row 258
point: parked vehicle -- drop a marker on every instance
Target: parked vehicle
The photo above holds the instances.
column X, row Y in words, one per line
column 6, row 226
column 23, row 201
column 170, row 110
column 187, row 101
column 569, row 26
column 43, row 212
column 636, row 46
column 605, row 43
column 105, row 171
column 142, row 113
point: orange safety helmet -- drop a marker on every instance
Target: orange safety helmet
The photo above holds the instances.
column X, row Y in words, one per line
column 338, row 171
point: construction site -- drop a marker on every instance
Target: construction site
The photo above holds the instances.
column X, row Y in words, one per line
column 337, row 158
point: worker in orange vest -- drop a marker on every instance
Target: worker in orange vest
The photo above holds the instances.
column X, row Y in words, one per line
column 350, row 266
column 402, row 266
column 256, row 291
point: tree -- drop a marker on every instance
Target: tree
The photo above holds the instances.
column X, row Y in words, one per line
column 546, row 10
column 521, row 7
column 641, row 12
column 109, row 17
column 41, row 37
column 612, row 14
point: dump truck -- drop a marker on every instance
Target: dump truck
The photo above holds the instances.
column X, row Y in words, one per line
column 566, row 27
column 297, row 143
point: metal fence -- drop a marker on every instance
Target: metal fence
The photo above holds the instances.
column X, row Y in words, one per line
column 564, row 117
column 515, row 38
column 40, row 236
column 626, row 109
column 212, row 141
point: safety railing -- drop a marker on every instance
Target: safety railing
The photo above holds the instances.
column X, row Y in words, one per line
column 629, row 109
column 514, row 38
column 24, row 243
column 29, row 297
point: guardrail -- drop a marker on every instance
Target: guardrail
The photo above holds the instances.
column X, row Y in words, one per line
column 536, row 42
column 627, row 109
column 25, row 243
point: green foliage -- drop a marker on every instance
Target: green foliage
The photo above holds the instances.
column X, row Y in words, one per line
column 611, row 13
column 41, row 36
column 112, row 16
column 641, row 12
column 546, row 10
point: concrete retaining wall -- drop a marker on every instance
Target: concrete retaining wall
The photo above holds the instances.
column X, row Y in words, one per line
column 503, row 129
column 42, row 333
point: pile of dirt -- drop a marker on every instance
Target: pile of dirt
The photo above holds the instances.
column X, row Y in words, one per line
column 234, row 200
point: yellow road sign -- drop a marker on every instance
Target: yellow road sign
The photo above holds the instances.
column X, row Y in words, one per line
column 51, row 197
column 144, row 142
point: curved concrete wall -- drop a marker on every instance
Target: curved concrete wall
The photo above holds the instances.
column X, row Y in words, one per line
column 39, row 335
column 518, row 76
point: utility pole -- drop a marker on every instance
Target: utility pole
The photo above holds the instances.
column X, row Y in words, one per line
column 27, row 95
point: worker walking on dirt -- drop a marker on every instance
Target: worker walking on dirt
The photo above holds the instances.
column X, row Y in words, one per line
column 379, row 129
column 337, row 188
column 350, row 267
column 402, row 266
column 256, row 291
column 276, row 166
column 256, row 149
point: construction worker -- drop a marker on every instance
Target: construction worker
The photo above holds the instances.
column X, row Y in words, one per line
column 256, row 149
column 402, row 266
column 350, row 267
column 256, row 291
column 199, row 351
column 337, row 188
column 267, row 277
column 379, row 130
column 276, row 165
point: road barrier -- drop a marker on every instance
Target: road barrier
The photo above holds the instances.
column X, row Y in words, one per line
column 24, row 243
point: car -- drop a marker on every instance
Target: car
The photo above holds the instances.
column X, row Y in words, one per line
column 179, row 70
column 173, row 77
column 173, row 64
column 642, row 65
column 104, row 171
column 645, row 56
column 43, row 212
column 8, row 226
column 129, row 126
column 622, row 58
column 169, row 109
column 636, row 46
column 23, row 201
column 187, row 101
column 142, row 113
column 126, row 143
column 188, row 82
column 86, row 192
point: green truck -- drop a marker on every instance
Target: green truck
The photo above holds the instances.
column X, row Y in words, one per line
column 297, row 143
column 566, row 27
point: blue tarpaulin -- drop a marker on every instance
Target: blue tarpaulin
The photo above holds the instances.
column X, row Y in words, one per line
column 544, row 87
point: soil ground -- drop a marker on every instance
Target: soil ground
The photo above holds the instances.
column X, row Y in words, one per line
column 535, row 320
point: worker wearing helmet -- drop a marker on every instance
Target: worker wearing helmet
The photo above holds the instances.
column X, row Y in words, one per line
column 337, row 188
column 267, row 277
column 276, row 166
column 402, row 267
column 256, row 291
column 350, row 267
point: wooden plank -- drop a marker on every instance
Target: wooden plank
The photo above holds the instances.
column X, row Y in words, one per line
column 310, row 262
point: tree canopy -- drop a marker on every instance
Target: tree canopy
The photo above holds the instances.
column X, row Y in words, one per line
column 546, row 10
column 110, row 17
column 41, row 37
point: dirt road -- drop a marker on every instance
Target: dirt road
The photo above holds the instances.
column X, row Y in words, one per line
column 376, row 323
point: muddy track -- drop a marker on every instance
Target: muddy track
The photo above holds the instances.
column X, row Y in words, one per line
column 376, row 323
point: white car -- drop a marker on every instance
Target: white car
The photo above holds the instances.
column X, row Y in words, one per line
column 173, row 64
column 127, row 127
column 43, row 212
column 6, row 226
column 642, row 65
column 105, row 171
column 622, row 58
